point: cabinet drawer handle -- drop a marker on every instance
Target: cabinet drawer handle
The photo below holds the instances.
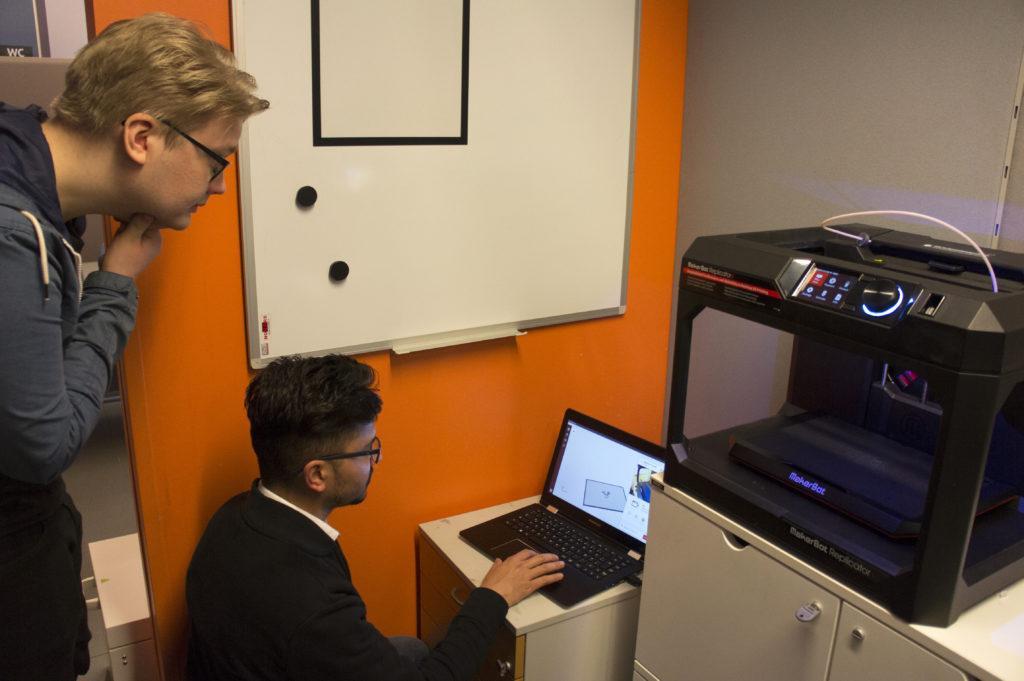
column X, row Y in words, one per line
column 455, row 597
column 808, row 612
column 734, row 542
column 504, row 667
column 857, row 633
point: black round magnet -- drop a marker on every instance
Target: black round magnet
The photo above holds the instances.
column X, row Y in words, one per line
column 305, row 197
column 338, row 271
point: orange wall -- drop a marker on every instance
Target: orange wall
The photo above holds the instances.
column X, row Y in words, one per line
column 464, row 427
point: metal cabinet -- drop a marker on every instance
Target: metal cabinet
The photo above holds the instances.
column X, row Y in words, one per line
column 539, row 641
column 867, row 650
column 717, row 608
column 442, row 592
column 124, row 605
column 135, row 662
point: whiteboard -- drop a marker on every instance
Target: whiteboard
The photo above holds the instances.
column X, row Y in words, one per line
column 491, row 194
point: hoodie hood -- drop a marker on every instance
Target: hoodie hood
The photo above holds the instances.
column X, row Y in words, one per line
column 26, row 166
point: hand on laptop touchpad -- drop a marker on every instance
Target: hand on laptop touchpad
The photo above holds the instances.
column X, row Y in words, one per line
column 509, row 548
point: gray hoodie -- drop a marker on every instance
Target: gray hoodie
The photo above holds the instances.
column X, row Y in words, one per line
column 59, row 337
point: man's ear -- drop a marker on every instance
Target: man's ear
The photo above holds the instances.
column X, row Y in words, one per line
column 138, row 134
column 314, row 475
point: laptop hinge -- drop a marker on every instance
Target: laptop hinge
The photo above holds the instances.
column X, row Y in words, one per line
column 634, row 555
column 552, row 508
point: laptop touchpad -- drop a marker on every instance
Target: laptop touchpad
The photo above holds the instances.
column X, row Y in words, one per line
column 510, row 548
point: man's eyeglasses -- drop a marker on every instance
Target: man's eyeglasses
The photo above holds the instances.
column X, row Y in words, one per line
column 222, row 162
column 373, row 451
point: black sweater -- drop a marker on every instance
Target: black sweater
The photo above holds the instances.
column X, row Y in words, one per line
column 270, row 596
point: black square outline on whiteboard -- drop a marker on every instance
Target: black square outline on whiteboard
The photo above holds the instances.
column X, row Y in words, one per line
column 320, row 141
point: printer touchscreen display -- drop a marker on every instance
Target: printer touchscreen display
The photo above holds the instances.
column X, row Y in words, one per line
column 826, row 287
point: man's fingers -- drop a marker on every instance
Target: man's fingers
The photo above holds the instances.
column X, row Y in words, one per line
column 550, row 562
column 138, row 223
column 544, row 580
column 153, row 238
column 540, row 559
column 552, row 566
column 522, row 556
column 143, row 219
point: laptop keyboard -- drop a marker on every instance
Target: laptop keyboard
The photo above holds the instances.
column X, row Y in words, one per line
column 577, row 548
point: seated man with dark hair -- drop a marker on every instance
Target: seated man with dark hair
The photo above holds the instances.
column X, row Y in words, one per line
column 269, row 592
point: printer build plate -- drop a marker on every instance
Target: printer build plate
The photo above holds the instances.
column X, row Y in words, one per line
column 863, row 474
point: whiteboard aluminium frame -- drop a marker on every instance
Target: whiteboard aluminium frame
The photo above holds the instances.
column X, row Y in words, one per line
column 428, row 341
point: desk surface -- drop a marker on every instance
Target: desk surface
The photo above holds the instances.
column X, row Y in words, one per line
column 534, row 612
column 986, row 641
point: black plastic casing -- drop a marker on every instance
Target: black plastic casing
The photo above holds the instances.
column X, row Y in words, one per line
column 971, row 349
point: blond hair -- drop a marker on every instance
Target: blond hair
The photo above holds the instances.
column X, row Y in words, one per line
column 156, row 64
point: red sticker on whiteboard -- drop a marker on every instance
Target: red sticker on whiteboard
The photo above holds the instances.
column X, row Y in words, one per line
column 265, row 335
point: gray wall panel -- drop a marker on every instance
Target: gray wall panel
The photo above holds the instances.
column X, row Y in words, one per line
column 1011, row 234
column 796, row 111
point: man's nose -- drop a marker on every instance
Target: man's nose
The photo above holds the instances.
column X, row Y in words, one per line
column 218, row 185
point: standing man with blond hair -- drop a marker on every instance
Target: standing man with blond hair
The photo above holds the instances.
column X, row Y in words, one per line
column 150, row 111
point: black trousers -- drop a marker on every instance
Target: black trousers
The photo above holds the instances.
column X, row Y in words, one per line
column 44, row 633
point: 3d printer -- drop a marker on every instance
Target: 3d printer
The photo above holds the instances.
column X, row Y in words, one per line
column 860, row 403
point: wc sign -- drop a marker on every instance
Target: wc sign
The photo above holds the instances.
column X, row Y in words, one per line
column 16, row 51
column 42, row 28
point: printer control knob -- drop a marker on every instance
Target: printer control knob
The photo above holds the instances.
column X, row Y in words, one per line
column 880, row 297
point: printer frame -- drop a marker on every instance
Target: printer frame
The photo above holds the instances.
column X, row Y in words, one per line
column 969, row 356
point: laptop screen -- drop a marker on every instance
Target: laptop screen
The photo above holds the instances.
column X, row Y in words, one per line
column 606, row 479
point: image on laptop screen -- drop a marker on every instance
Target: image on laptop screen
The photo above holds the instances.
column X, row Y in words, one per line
column 606, row 479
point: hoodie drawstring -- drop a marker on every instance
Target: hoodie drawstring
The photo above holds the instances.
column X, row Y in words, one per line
column 44, row 267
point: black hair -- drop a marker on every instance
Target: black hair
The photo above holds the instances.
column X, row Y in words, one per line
column 301, row 407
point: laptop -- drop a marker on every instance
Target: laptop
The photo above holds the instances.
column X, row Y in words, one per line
column 592, row 512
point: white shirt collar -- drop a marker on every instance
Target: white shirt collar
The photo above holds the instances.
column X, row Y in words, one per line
column 330, row 531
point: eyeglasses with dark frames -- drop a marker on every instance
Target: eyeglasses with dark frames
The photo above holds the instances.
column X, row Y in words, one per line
column 373, row 451
column 222, row 162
